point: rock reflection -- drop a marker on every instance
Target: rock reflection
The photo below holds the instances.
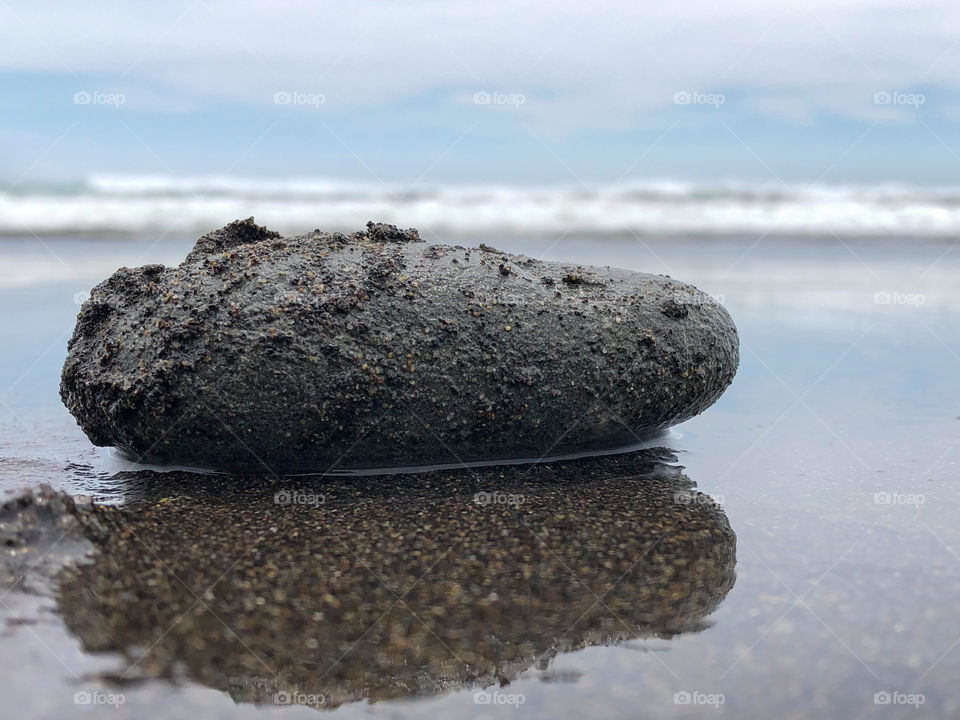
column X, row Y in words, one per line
column 330, row 590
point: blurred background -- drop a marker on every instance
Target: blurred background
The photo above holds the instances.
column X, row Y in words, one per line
column 523, row 118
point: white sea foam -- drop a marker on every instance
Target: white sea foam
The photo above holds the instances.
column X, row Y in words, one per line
column 162, row 204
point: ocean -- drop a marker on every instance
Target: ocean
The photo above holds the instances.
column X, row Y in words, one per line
column 162, row 204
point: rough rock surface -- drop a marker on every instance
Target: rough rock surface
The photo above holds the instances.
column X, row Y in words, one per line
column 378, row 349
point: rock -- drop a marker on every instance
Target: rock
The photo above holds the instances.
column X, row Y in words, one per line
column 377, row 349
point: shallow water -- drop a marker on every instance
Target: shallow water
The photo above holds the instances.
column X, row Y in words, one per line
column 385, row 588
column 833, row 456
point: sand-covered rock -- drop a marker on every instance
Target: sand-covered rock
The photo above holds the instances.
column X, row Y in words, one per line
column 378, row 349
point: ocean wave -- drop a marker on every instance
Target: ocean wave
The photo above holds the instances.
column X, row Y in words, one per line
column 162, row 204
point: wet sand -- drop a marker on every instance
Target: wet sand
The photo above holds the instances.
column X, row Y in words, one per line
column 833, row 456
column 395, row 586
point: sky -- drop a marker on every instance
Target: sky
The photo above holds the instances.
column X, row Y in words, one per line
column 849, row 91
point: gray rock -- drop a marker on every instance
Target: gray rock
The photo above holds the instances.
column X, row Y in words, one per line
column 377, row 349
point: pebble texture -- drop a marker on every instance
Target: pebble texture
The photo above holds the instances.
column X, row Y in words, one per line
column 378, row 350
column 331, row 590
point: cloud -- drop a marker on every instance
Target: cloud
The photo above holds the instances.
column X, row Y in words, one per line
column 580, row 65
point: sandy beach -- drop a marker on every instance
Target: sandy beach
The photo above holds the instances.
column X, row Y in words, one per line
column 489, row 361
column 831, row 458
